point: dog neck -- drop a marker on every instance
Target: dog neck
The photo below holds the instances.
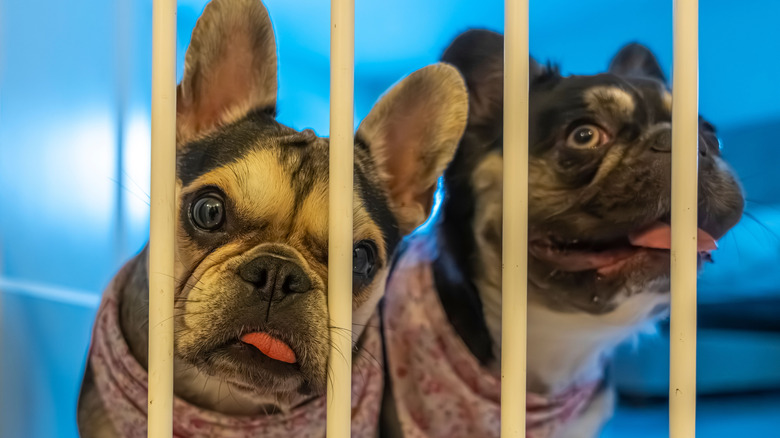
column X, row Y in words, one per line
column 215, row 394
column 208, row 392
column 566, row 348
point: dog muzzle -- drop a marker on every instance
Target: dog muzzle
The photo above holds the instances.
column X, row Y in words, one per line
column 122, row 385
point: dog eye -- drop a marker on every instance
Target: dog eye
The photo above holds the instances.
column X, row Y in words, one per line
column 208, row 212
column 364, row 258
column 586, row 137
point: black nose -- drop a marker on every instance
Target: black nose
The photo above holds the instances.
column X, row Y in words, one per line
column 661, row 141
column 275, row 277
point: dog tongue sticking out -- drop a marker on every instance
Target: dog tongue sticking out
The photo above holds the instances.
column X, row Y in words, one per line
column 659, row 236
column 270, row 346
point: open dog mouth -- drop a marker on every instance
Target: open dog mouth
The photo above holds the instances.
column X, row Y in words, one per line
column 609, row 256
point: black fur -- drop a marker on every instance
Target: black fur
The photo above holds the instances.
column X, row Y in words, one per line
column 632, row 194
column 636, row 60
column 228, row 144
column 258, row 130
column 461, row 302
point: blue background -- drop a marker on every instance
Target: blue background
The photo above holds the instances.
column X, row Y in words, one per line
column 74, row 172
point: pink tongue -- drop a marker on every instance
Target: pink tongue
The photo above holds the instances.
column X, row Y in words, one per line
column 270, row 346
column 659, row 236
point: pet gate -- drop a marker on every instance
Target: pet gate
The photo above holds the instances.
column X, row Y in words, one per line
column 682, row 386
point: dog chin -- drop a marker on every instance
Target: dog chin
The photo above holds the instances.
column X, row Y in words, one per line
column 599, row 290
column 248, row 371
column 283, row 392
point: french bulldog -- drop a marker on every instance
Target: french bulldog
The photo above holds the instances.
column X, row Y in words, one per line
column 251, row 320
column 599, row 240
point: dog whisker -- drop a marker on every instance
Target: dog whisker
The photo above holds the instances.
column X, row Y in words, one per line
column 761, row 224
column 132, row 192
column 140, row 189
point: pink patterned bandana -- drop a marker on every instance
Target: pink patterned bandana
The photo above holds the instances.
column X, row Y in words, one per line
column 439, row 387
column 121, row 382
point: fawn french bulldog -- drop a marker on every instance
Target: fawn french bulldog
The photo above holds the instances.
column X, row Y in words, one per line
column 251, row 321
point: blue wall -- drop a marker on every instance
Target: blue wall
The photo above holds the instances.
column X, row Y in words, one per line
column 74, row 145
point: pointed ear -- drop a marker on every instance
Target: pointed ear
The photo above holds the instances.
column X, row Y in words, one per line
column 637, row 60
column 229, row 69
column 412, row 134
column 479, row 55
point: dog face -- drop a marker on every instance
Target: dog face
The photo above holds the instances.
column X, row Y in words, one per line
column 599, row 170
column 252, row 239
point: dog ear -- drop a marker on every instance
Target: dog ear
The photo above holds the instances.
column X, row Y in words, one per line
column 229, row 69
column 479, row 55
column 412, row 134
column 636, row 60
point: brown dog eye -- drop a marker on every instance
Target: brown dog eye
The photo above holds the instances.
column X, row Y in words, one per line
column 586, row 137
column 208, row 212
column 363, row 259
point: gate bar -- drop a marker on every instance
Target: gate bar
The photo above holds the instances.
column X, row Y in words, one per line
column 162, row 214
column 514, row 309
column 685, row 155
column 342, row 54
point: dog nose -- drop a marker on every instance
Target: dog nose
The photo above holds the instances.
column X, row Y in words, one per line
column 275, row 276
column 661, row 141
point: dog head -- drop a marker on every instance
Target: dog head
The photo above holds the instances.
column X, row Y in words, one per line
column 599, row 170
column 252, row 205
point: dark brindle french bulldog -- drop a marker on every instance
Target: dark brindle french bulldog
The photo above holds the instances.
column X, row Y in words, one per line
column 251, row 324
column 599, row 237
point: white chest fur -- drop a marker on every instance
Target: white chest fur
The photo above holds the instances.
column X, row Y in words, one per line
column 564, row 348
column 567, row 348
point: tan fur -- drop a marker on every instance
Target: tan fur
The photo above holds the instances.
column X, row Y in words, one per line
column 612, row 99
column 229, row 68
column 611, row 161
column 563, row 348
column 424, row 129
column 258, row 185
column 488, row 209
column 667, row 96
column 260, row 190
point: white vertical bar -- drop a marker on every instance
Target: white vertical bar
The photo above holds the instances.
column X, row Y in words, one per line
column 342, row 52
column 515, row 222
column 685, row 155
column 161, row 228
